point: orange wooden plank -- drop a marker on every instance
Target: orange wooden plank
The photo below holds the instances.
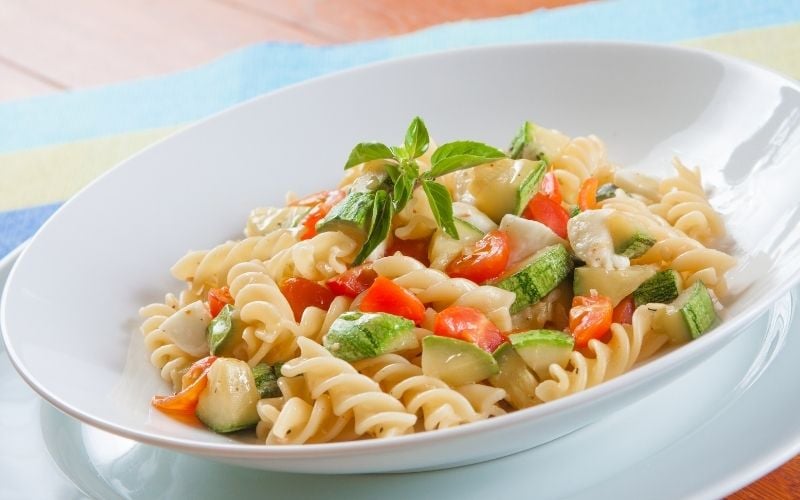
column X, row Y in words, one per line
column 91, row 42
column 782, row 483
column 16, row 83
column 362, row 19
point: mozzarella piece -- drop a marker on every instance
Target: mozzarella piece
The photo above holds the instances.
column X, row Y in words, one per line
column 526, row 237
column 591, row 240
column 187, row 328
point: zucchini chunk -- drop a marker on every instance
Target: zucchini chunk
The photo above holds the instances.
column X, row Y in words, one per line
column 542, row 348
column 616, row 284
column 352, row 215
column 356, row 335
column 629, row 239
column 266, row 378
column 228, row 403
column 455, row 361
column 529, row 186
column 444, row 249
column 514, row 377
column 662, row 288
column 534, row 277
column 688, row 317
column 536, row 143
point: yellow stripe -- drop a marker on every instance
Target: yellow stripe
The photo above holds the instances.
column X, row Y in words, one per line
column 777, row 47
column 54, row 173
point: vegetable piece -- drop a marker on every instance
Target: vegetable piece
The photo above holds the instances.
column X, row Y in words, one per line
column 266, row 379
column 662, row 288
column 217, row 299
column 606, row 191
column 193, row 383
column 589, row 318
column 228, row 402
column 630, row 240
column 318, row 213
column 536, row 276
column 264, row 220
column 550, row 187
column 473, row 217
column 187, row 328
column 542, row 348
column 468, row 324
column 354, row 335
column 443, row 249
column 485, row 260
column 592, row 241
column 536, row 143
column 417, row 249
column 551, row 214
column 697, row 308
column 353, row 282
column 456, row 362
column 616, row 284
column 587, row 196
column 526, row 237
column 302, row 293
column 623, row 312
column 514, row 377
column 530, row 185
column 219, row 330
column 353, row 216
column 387, row 296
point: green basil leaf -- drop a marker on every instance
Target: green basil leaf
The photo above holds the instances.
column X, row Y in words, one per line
column 393, row 171
column 219, row 329
column 403, row 188
column 381, row 221
column 368, row 151
column 462, row 154
column 441, row 206
column 417, row 139
column 524, row 134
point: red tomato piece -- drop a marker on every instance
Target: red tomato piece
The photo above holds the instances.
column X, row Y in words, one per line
column 587, row 196
column 550, row 187
column 551, row 214
column 590, row 317
column 417, row 249
column 623, row 313
column 387, row 296
column 483, row 261
column 193, row 383
column 470, row 324
column 353, row 282
column 319, row 211
column 302, row 293
column 217, row 299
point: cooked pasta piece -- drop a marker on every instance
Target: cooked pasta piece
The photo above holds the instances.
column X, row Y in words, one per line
column 321, row 257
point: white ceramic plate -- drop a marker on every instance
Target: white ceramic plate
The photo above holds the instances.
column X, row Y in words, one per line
column 68, row 315
column 735, row 389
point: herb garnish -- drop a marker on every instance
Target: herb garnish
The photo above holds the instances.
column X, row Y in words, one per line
column 404, row 176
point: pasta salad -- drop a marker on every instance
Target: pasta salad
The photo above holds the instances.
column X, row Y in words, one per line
column 438, row 286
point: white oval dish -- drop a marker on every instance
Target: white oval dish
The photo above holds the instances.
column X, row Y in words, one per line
column 69, row 311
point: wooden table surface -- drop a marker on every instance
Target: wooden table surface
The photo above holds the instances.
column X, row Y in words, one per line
column 48, row 47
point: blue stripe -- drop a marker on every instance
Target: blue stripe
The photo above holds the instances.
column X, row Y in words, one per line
column 17, row 226
column 194, row 94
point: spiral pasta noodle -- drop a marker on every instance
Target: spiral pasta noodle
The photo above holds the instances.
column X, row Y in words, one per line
column 321, row 257
column 581, row 158
column 609, row 361
column 374, row 412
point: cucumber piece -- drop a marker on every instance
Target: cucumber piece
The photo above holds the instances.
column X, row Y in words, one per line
column 534, row 277
column 697, row 309
column 630, row 240
column 495, row 186
column 219, row 330
column 444, row 249
column 456, row 362
column 606, row 191
column 266, row 379
column 514, row 377
column 356, row 335
column 526, row 237
column 228, row 403
column 616, row 284
column 542, row 348
column 352, row 215
column 663, row 287
column 688, row 317
column 529, row 186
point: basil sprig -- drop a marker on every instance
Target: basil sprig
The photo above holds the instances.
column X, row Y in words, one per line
column 400, row 164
